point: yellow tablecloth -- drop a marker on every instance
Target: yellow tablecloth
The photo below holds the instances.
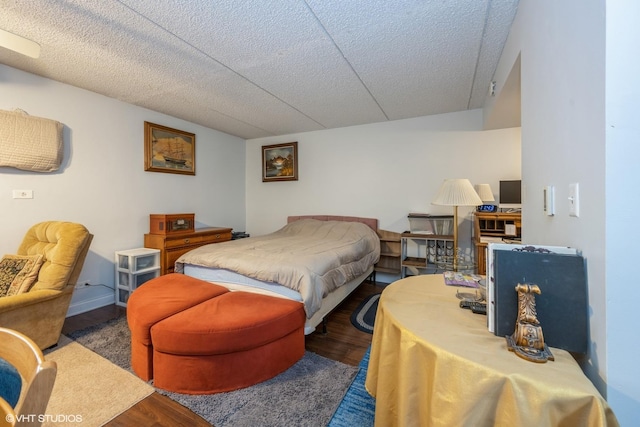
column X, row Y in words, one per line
column 435, row 364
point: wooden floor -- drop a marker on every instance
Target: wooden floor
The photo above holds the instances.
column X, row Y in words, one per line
column 342, row 342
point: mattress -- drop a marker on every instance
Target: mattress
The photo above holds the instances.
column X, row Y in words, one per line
column 310, row 257
column 237, row 282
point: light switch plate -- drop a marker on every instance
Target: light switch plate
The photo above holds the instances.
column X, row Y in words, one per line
column 574, row 200
column 549, row 194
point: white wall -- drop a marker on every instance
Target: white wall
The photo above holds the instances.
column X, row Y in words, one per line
column 102, row 183
column 622, row 178
column 384, row 170
column 565, row 140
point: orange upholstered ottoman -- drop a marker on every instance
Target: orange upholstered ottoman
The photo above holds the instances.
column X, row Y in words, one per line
column 229, row 342
column 158, row 299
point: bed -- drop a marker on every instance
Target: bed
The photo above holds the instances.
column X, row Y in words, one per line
column 317, row 260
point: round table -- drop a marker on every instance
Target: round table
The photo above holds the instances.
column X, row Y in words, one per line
column 435, row 364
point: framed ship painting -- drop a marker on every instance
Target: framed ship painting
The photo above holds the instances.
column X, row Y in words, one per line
column 169, row 150
column 280, row 162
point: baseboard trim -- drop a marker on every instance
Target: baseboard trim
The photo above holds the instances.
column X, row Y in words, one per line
column 88, row 305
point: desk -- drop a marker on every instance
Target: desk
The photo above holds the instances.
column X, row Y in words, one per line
column 435, row 364
column 493, row 225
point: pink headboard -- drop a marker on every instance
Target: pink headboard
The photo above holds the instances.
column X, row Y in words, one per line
column 371, row 222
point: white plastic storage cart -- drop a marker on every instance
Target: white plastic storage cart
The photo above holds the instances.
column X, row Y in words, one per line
column 133, row 268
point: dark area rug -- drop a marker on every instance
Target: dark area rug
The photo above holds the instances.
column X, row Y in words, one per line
column 307, row 394
column 364, row 316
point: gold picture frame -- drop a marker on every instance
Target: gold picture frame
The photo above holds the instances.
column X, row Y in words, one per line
column 280, row 162
column 169, row 150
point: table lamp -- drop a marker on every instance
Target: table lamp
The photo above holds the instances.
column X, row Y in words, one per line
column 485, row 193
column 456, row 192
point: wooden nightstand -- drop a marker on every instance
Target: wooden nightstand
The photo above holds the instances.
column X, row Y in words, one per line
column 174, row 245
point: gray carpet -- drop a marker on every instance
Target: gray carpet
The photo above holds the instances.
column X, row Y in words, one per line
column 307, row 394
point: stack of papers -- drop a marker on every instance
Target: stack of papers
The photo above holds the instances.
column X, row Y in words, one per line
column 489, row 239
column 454, row 278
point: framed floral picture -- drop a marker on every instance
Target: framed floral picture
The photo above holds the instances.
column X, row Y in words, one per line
column 280, row 162
column 169, row 150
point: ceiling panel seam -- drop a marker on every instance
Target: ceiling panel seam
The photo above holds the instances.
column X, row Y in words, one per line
column 346, row 60
column 242, row 121
column 480, row 43
column 223, row 65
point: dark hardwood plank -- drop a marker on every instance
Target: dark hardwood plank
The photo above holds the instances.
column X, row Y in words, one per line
column 342, row 342
column 93, row 317
column 158, row 410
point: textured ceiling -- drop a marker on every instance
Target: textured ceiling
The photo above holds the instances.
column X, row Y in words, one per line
column 262, row 68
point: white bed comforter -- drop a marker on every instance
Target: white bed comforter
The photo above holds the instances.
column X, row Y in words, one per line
column 310, row 256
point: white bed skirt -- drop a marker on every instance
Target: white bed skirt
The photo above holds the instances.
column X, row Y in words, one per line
column 237, row 282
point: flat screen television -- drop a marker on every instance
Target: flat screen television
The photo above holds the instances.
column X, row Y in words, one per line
column 510, row 194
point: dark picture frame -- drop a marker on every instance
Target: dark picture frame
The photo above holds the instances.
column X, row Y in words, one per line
column 169, row 150
column 280, row 162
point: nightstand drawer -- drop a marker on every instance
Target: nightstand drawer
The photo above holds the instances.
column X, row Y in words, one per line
column 175, row 242
column 172, row 247
column 217, row 237
column 185, row 241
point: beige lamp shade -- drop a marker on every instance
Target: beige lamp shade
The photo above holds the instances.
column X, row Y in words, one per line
column 457, row 192
column 485, row 193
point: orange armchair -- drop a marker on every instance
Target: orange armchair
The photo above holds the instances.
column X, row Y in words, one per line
column 40, row 312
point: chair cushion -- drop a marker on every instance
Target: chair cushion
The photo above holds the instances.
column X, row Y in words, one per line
column 60, row 243
column 10, row 383
column 18, row 273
